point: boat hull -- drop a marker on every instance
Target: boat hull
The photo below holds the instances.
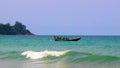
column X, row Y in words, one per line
column 66, row 39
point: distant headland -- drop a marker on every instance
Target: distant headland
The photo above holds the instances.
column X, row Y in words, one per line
column 17, row 29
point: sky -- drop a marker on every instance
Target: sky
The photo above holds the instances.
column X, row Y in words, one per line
column 64, row 17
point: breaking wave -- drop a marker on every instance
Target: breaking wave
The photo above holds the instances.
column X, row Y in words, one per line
column 56, row 56
column 70, row 56
column 39, row 55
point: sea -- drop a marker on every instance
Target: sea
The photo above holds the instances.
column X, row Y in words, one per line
column 41, row 51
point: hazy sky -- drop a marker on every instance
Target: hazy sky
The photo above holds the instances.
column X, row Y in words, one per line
column 64, row 17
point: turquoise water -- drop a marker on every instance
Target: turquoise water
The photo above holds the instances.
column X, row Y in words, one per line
column 44, row 52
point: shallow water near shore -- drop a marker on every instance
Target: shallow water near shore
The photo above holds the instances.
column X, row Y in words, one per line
column 44, row 52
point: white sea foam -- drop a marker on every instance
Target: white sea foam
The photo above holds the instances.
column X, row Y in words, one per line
column 39, row 55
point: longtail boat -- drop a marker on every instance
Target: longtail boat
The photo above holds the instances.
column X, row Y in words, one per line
column 57, row 38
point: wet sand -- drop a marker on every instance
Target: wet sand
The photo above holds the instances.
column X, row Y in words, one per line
column 37, row 64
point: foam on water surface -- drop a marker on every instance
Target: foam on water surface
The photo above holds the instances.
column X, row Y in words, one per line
column 39, row 55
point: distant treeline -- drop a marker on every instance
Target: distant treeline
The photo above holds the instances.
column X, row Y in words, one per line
column 16, row 29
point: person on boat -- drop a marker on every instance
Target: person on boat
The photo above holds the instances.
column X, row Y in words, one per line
column 65, row 38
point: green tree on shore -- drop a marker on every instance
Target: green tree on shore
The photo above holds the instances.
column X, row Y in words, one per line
column 17, row 29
